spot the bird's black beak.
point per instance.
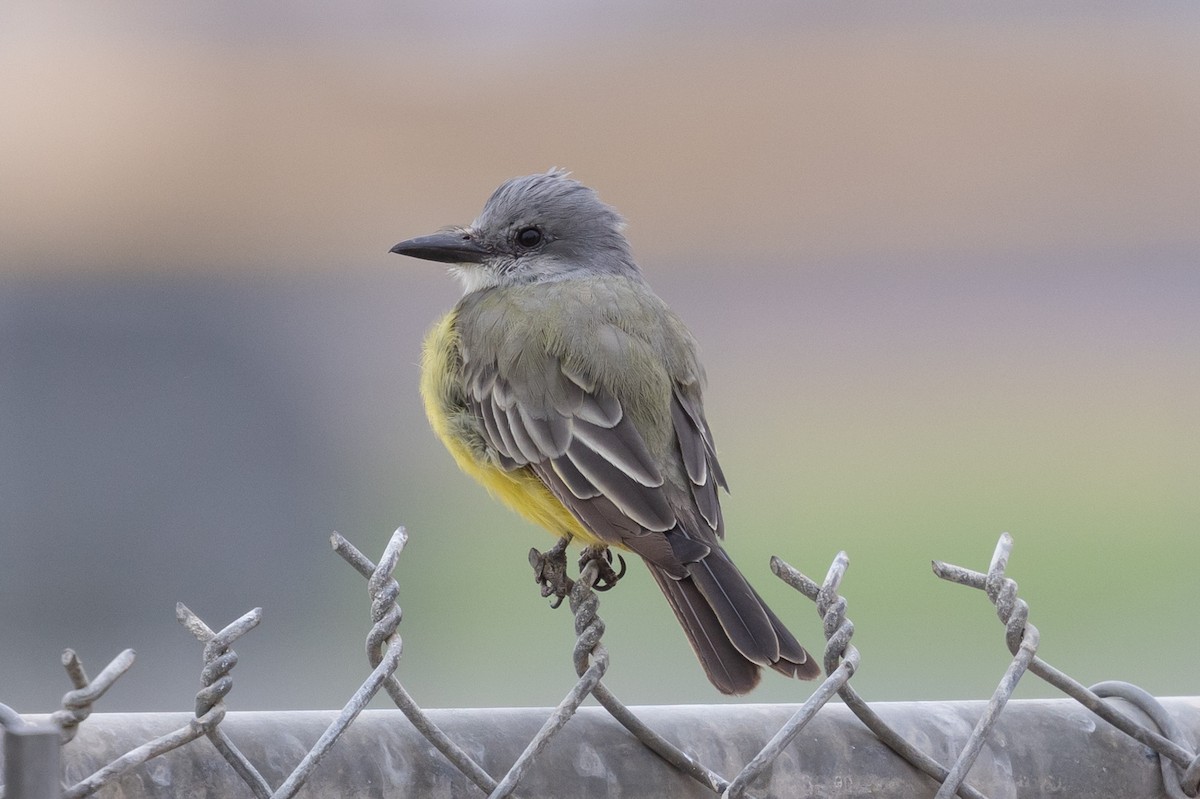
(450, 247)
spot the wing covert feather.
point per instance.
(573, 433)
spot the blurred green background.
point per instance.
(943, 260)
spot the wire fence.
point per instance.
(1144, 747)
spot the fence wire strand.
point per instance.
(402, 699)
(1179, 763)
(1014, 612)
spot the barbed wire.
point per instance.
(1014, 612)
(1166, 738)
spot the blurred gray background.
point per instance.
(943, 259)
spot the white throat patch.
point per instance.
(473, 278)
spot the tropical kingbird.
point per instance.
(564, 385)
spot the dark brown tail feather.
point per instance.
(730, 629)
(794, 660)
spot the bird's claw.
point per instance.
(550, 571)
(606, 576)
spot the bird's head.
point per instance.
(532, 229)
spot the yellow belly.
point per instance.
(520, 490)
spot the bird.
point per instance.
(573, 393)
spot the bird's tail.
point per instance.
(730, 628)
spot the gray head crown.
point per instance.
(549, 226)
(533, 229)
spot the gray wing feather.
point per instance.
(506, 444)
(578, 440)
(551, 434)
(646, 505)
(623, 445)
(691, 443)
(699, 456)
(502, 394)
(530, 451)
(486, 412)
(689, 400)
(579, 486)
(602, 410)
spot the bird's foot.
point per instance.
(550, 571)
(606, 576)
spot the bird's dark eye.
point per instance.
(529, 237)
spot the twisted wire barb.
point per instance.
(210, 707)
(591, 661)
(219, 659)
(399, 695)
(1013, 612)
(838, 629)
(215, 684)
(588, 629)
(384, 648)
(1022, 638)
(838, 634)
(77, 704)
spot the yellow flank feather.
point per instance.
(442, 392)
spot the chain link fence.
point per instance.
(1112, 739)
